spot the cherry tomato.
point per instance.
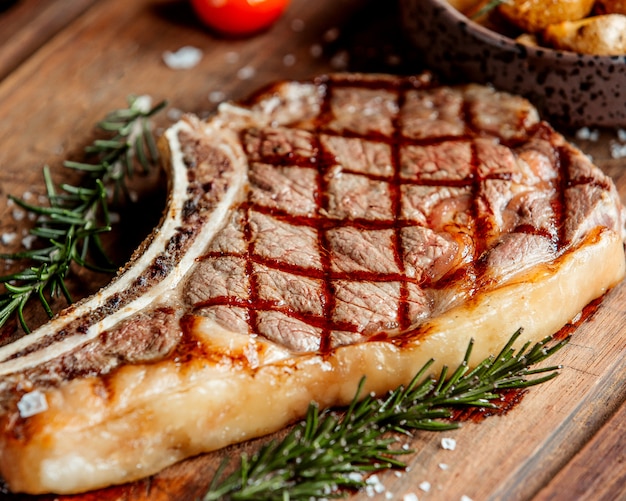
(239, 17)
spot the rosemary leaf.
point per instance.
(488, 7)
(328, 455)
(68, 228)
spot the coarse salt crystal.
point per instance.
(246, 73)
(18, 214)
(8, 238)
(617, 150)
(32, 403)
(174, 114)
(297, 25)
(448, 444)
(28, 240)
(388, 495)
(586, 134)
(340, 60)
(465, 498)
(232, 57)
(143, 103)
(355, 476)
(217, 96)
(425, 486)
(376, 484)
(410, 497)
(184, 58)
(316, 50)
(443, 466)
(331, 35)
(289, 60)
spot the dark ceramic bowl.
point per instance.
(569, 88)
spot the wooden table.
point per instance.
(63, 65)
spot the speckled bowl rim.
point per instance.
(490, 36)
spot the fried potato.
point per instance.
(528, 39)
(601, 35)
(533, 16)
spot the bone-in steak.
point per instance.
(351, 226)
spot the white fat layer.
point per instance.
(257, 351)
(216, 402)
(161, 291)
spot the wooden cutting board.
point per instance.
(62, 68)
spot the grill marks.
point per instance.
(312, 260)
(404, 320)
(323, 163)
(329, 207)
(437, 172)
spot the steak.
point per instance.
(354, 225)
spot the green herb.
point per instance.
(327, 456)
(68, 229)
(487, 8)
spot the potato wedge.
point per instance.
(601, 35)
(533, 16)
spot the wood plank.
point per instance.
(578, 481)
(27, 25)
(50, 102)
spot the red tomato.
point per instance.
(239, 17)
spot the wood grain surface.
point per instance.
(62, 69)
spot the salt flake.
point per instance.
(232, 57)
(425, 486)
(316, 50)
(340, 60)
(8, 238)
(28, 240)
(376, 484)
(217, 96)
(32, 403)
(448, 444)
(246, 73)
(289, 60)
(297, 25)
(174, 114)
(184, 58)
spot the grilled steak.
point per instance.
(324, 231)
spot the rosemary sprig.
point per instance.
(327, 456)
(486, 8)
(68, 229)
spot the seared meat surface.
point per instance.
(351, 226)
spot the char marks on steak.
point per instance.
(354, 225)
